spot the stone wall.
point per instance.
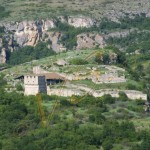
(131, 94)
(63, 92)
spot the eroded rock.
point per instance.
(89, 40)
(80, 22)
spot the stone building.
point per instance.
(34, 84)
(53, 78)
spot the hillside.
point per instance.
(76, 122)
(74, 74)
(21, 10)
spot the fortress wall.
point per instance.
(131, 94)
(100, 94)
(31, 89)
(137, 96)
(63, 92)
(37, 84)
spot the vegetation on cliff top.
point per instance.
(31, 9)
(29, 53)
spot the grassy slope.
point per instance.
(47, 63)
(119, 110)
(49, 60)
(33, 9)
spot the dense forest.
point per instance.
(29, 53)
(86, 123)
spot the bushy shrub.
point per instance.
(108, 99)
(19, 87)
(78, 61)
(3, 13)
(123, 96)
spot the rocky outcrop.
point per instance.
(80, 22)
(121, 8)
(30, 33)
(121, 34)
(48, 24)
(88, 40)
(55, 37)
(2, 56)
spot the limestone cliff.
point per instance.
(90, 40)
(81, 21)
(30, 33)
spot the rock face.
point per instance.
(80, 22)
(122, 8)
(48, 24)
(30, 33)
(90, 41)
(3, 56)
(55, 37)
(119, 34)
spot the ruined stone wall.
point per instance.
(135, 94)
(114, 93)
(63, 92)
(131, 94)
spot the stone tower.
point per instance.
(34, 84)
(3, 56)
